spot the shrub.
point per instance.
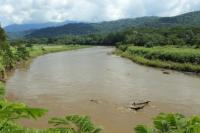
(171, 123)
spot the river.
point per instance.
(94, 82)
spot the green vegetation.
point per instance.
(148, 37)
(173, 48)
(183, 59)
(37, 50)
(2, 90)
(10, 112)
(171, 123)
(75, 124)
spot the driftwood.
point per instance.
(136, 108)
(94, 101)
(165, 72)
(139, 105)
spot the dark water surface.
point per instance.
(65, 83)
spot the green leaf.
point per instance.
(141, 129)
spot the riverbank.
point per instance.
(35, 51)
(181, 59)
(20, 110)
(38, 50)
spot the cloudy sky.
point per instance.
(36, 11)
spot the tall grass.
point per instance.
(183, 59)
(180, 55)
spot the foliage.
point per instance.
(148, 37)
(171, 123)
(10, 55)
(180, 55)
(75, 124)
(2, 90)
(7, 56)
(158, 57)
(22, 52)
(12, 111)
(9, 112)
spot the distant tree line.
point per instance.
(147, 37)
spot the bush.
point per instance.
(22, 53)
(171, 123)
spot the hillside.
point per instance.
(186, 20)
(102, 27)
(33, 26)
(72, 29)
(123, 23)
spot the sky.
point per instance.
(41, 11)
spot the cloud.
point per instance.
(32, 11)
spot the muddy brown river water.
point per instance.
(66, 82)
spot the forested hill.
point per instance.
(89, 28)
(188, 19)
(34, 26)
(69, 29)
(15, 31)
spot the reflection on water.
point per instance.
(65, 83)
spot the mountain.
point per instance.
(123, 23)
(72, 29)
(187, 20)
(33, 26)
(89, 28)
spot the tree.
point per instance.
(22, 52)
(196, 40)
(2, 36)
